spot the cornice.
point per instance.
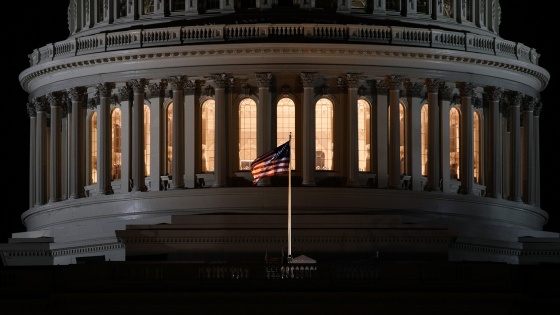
(155, 59)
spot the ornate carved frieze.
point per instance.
(433, 85)
(353, 79)
(515, 98)
(41, 104)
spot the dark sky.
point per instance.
(45, 22)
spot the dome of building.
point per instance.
(412, 128)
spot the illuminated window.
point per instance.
(476, 146)
(402, 151)
(116, 143)
(93, 134)
(424, 138)
(324, 135)
(247, 133)
(454, 144)
(286, 124)
(169, 138)
(208, 134)
(147, 139)
(448, 8)
(148, 7)
(364, 135)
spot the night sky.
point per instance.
(45, 22)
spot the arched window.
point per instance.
(324, 134)
(454, 143)
(247, 133)
(169, 139)
(286, 124)
(402, 137)
(147, 139)
(208, 123)
(116, 143)
(93, 134)
(364, 135)
(424, 138)
(476, 147)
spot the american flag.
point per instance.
(274, 162)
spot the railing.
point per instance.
(387, 35)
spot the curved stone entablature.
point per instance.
(448, 49)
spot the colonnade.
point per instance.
(509, 152)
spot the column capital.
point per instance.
(413, 88)
(138, 85)
(515, 98)
(493, 93)
(104, 89)
(466, 89)
(393, 82)
(77, 93)
(220, 80)
(433, 85)
(41, 104)
(538, 109)
(31, 109)
(177, 82)
(307, 78)
(353, 79)
(528, 103)
(157, 89)
(264, 79)
(125, 91)
(55, 98)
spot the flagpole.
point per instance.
(290, 202)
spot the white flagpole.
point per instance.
(290, 202)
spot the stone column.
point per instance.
(41, 167)
(190, 121)
(515, 146)
(32, 152)
(433, 163)
(529, 192)
(308, 134)
(537, 150)
(466, 138)
(178, 149)
(382, 144)
(394, 84)
(138, 163)
(353, 179)
(414, 144)
(77, 141)
(220, 141)
(264, 119)
(444, 101)
(64, 144)
(125, 96)
(157, 121)
(55, 100)
(104, 137)
(494, 141)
